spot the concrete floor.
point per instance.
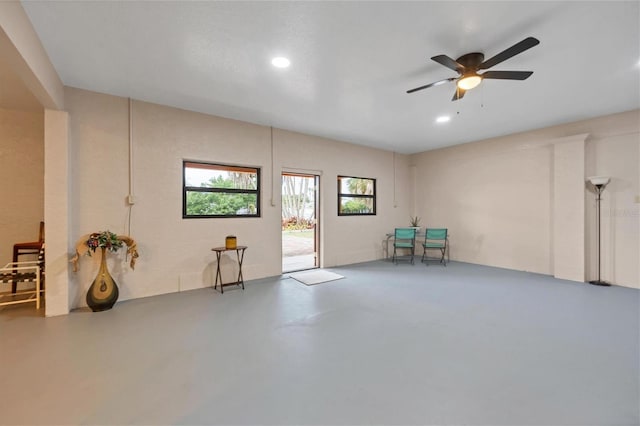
(461, 344)
(297, 252)
(298, 263)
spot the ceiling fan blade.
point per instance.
(507, 75)
(517, 48)
(458, 94)
(437, 83)
(449, 63)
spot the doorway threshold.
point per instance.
(298, 263)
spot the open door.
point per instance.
(300, 241)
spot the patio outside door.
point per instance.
(299, 221)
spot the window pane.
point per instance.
(211, 176)
(352, 185)
(221, 204)
(356, 205)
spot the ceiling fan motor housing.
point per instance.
(471, 61)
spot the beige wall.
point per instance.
(22, 177)
(175, 253)
(357, 238)
(496, 197)
(614, 152)
(567, 212)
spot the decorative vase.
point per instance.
(103, 293)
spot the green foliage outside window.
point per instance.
(220, 204)
(356, 196)
(357, 206)
(220, 191)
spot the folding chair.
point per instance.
(14, 273)
(405, 238)
(32, 247)
(435, 239)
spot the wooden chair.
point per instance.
(29, 271)
(33, 247)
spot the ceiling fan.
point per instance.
(468, 66)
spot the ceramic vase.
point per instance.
(103, 293)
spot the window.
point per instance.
(218, 190)
(356, 196)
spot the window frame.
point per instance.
(220, 166)
(361, 196)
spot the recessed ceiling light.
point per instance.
(443, 119)
(280, 62)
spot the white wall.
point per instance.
(175, 254)
(22, 177)
(496, 197)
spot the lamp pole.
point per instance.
(599, 183)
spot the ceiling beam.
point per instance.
(23, 52)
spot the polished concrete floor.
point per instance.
(405, 344)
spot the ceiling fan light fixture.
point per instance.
(469, 81)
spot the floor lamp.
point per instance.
(599, 183)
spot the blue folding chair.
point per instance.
(435, 239)
(405, 238)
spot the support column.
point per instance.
(568, 208)
(56, 211)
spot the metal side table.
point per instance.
(240, 256)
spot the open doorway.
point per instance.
(300, 241)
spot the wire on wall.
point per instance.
(273, 204)
(130, 198)
(395, 204)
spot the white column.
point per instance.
(56, 211)
(568, 208)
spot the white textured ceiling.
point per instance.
(352, 62)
